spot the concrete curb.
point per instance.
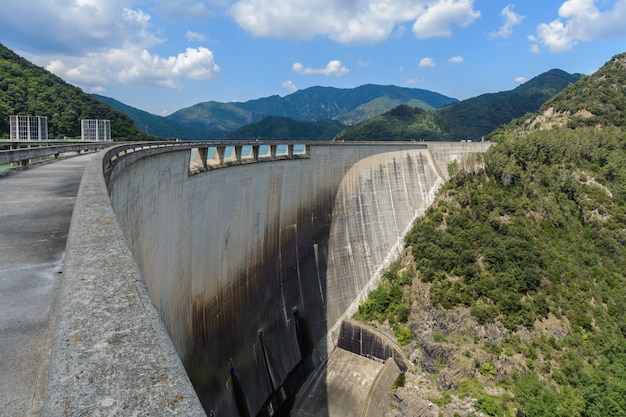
(111, 354)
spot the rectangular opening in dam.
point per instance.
(264, 150)
(281, 149)
(246, 151)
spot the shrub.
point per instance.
(403, 335)
(488, 405)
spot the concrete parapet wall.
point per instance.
(111, 354)
(229, 255)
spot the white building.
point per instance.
(31, 128)
(95, 130)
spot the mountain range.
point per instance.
(368, 112)
(215, 120)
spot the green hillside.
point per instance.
(30, 90)
(469, 119)
(379, 106)
(511, 294)
(280, 128)
(401, 123)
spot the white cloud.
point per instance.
(138, 66)
(521, 80)
(290, 86)
(95, 43)
(511, 19)
(194, 36)
(427, 62)
(351, 22)
(438, 17)
(76, 27)
(194, 63)
(334, 67)
(581, 20)
(78, 71)
(456, 60)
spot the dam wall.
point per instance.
(253, 267)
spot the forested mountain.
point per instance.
(348, 106)
(511, 295)
(467, 119)
(27, 89)
(281, 128)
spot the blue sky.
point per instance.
(161, 56)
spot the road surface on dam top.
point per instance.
(35, 211)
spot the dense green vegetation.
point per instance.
(469, 119)
(28, 89)
(541, 232)
(281, 128)
(534, 240)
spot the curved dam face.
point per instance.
(253, 267)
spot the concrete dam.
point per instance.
(252, 259)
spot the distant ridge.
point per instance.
(469, 119)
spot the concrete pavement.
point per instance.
(35, 211)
